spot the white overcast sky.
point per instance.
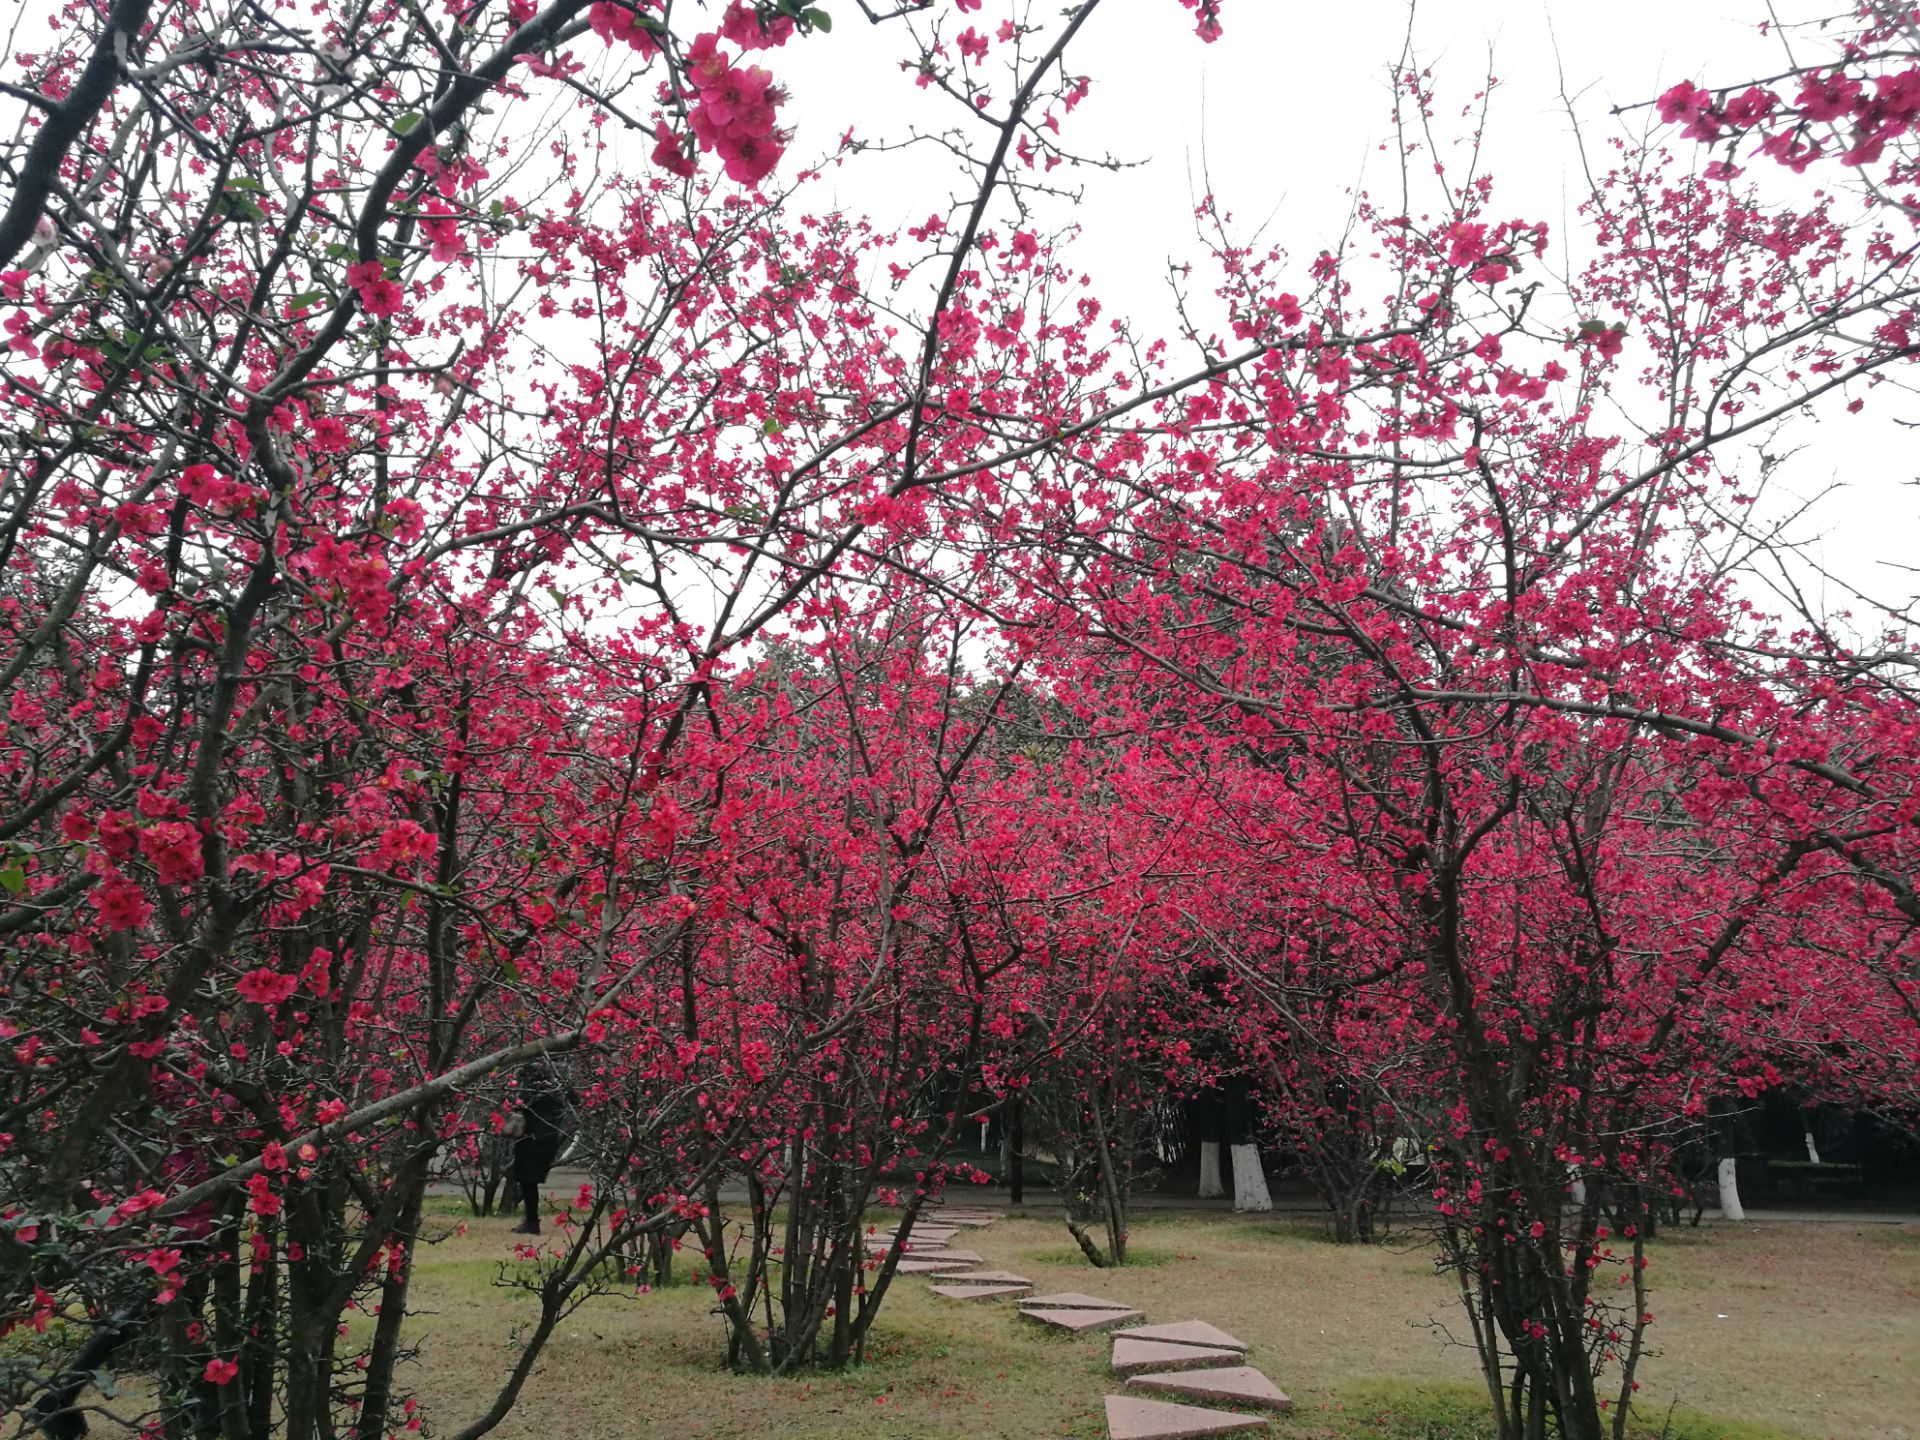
(1287, 113)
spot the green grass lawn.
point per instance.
(1765, 1332)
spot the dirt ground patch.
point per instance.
(1797, 1330)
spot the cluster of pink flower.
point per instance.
(620, 23)
(1207, 13)
(1884, 112)
(733, 115)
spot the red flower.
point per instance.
(120, 904)
(1827, 98)
(173, 848)
(742, 25)
(1684, 101)
(618, 23)
(672, 151)
(402, 845)
(219, 1372)
(265, 987)
(379, 296)
(443, 234)
(262, 1200)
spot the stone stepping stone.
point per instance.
(964, 1257)
(1134, 1357)
(1187, 1332)
(1074, 1300)
(993, 1277)
(969, 1219)
(977, 1292)
(923, 1237)
(1077, 1322)
(910, 1265)
(1232, 1385)
(880, 1244)
(1131, 1418)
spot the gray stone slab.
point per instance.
(1076, 1322)
(1074, 1300)
(995, 1277)
(1131, 1418)
(916, 1243)
(909, 1265)
(1230, 1385)
(1187, 1332)
(977, 1292)
(1140, 1357)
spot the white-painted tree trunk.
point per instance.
(1813, 1150)
(1210, 1186)
(1578, 1189)
(1249, 1180)
(1730, 1190)
(985, 1122)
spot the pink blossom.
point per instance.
(443, 234)
(619, 24)
(1684, 101)
(120, 904)
(379, 296)
(671, 150)
(262, 986)
(402, 845)
(742, 25)
(1828, 98)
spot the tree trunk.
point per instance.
(1016, 1151)
(1211, 1186)
(1249, 1181)
(1730, 1206)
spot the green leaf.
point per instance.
(13, 879)
(242, 182)
(405, 123)
(819, 20)
(337, 251)
(237, 206)
(307, 297)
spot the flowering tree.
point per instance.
(379, 419)
(470, 591)
(1511, 693)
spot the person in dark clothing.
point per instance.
(542, 1118)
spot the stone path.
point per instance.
(1074, 1300)
(1189, 1358)
(1138, 1357)
(977, 1292)
(1077, 1322)
(1235, 1384)
(1131, 1418)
